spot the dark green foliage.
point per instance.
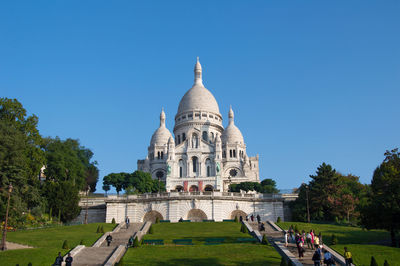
(151, 230)
(157, 220)
(243, 229)
(113, 221)
(264, 240)
(334, 240)
(382, 210)
(30, 264)
(278, 220)
(98, 229)
(386, 263)
(102, 229)
(290, 263)
(236, 219)
(266, 186)
(296, 229)
(81, 242)
(136, 243)
(283, 262)
(65, 245)
(373, 262)
(336, 220)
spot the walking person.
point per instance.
(316, 242)
(286, 238)
(127, 222)
(258, 218)
(109, 239)
(348, 257)
(328, 259)
(308, 240)
(317, 257)
(252, 218)
(58, 260)
(68, 260)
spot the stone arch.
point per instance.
(196, 215)
(208, 188)
(152, 216)
(193, 188)
(179, 188)
(238, 213)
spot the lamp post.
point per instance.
(308, 207)
(3, 240)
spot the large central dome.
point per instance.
(198, 97)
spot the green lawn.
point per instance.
(48, 242)
(357, 240)
(199, 254)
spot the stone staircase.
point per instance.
(97, 256)
(277, 236)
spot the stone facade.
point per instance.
(203, 155)
(195, 206)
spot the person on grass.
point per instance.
(348, 257)
(58, 260)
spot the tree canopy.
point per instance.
(266, 186)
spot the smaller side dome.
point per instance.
(232, 133)
(162, 135)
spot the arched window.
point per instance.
(179, 188)
(230, 153)
(195, 141)
(162, 155)
(208, 167)
(224, 154)
(208, 188)
(234, 153)
(158, 155)
(212, 136)
(194, 162)
(183, 137)
(179, 139)
(205, 135)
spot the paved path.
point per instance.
(97, 256)
(276, 236)
(11, 245)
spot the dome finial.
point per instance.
(197, 73)
(162, 118)
(231, 115)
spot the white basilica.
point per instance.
(203, 156)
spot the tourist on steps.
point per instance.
(58, 260)
(258, 218)
(348, 257)
(68, 260)
(286, 238)
(109, 239)
(317, 257)
(328, 260)
(308, 240)
(127, 222)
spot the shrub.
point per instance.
(113, 221)
(151, 230)
(337, 220)
(334, 240)
(81, 243)
(283, 262)
(157, 220)
(236, 219)
(102, 229)
(386, 263)
(30, 264)
(278, 220)
(243, 229)
(264, 240)
(136, 243)
(373, 261)
(65, 245)
(98, 229)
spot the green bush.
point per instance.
(386, 263)
(264, 240)
(157, 220)
(334, 240)
(236, 219)
(102, 229)
(30, 264)
(113, 221)
(283, 262)
(373, 261)
(243, 229)
(98, 229)
(81, 243)
(278, 220)
(151, 230)
(136, 243)
(337, 220)
(65, 245)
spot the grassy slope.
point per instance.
(200, 254)
(356, 240)
(48, 242)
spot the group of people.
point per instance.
(313, 242)
(59, 260)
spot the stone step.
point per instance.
(93, 256)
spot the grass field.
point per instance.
(48, 242)
(357, 240)
(199, 254)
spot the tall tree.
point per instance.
(383, 208)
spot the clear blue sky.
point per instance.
(309, 81)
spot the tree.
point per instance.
(116, 180)
(106, 188)
(382, 210)
(141, 182)
(266, 186)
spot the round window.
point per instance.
(233, 172)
